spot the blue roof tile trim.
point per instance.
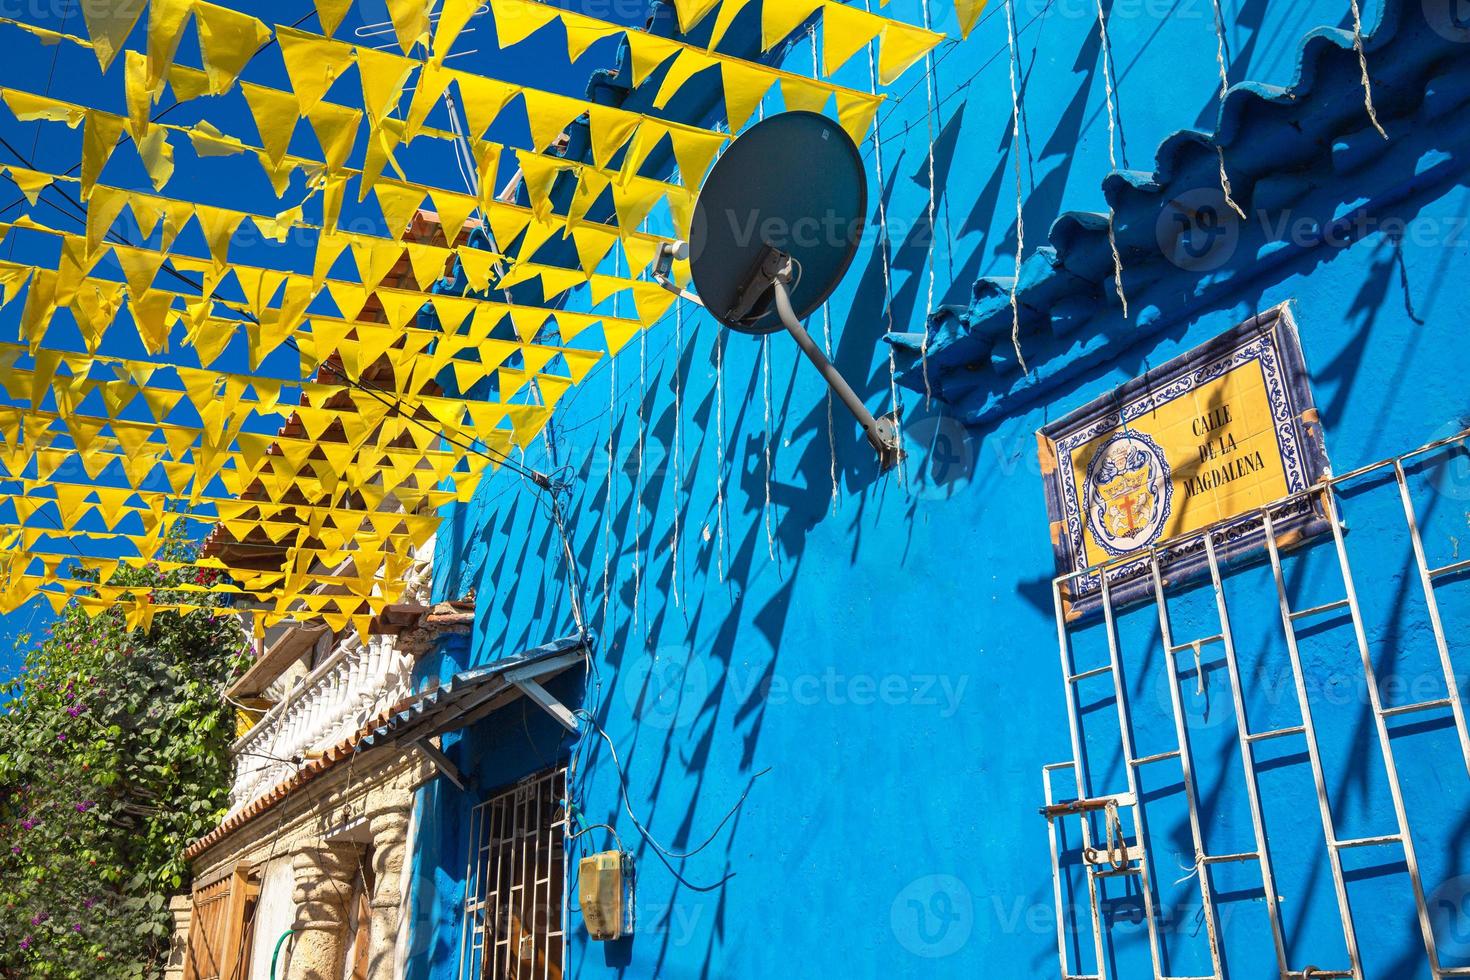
(1279, 144)
(445, 698)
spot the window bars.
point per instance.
(1122, 811)
(515, 884)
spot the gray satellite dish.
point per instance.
(775, 229)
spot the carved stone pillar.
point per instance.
(182, 909)
(390, 850)
(324, 879)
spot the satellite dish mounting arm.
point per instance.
(774, 275)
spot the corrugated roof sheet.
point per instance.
(453, 705)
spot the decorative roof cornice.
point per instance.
(1279, 145)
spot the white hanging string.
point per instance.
(1363, 66)
(831, 428)
(611, 502)
(678, 451)
(766, 392)
(1221, 60)
(885, 248)
(1016, 156)
(638, 485)
(1111, 92)
(720, 451)
(930, 98)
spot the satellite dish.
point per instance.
(775, 229)
(793, 183)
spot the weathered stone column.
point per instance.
(324, 878)
(390, 849)
(182, 908)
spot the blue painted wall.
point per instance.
(881, 650)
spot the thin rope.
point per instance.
(1222, 60)
(1111, 92)
(831, 428)
(720, 450)
(678, 451)
(929, 98)
(1016, 157)
(1363, 65)
(766, 391)
(638, 485)
(885, 246)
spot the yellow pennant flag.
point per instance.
(227, 40)
(745, 87)
(515, 21)
(166, 20)
(398, 202)
(969, 12)
(801, 95)
(845, 32)
(688, 64)
(109, 22)
(856, 113)
(729, 9)
(382, 76)
(779, 19)
(275, 117)
(901, 47)
(218, 226)
(410, 22)
(610, 129)
(313, 64)
(694, 149)
(30, 182)
(427, 92)
(331, 13)
(336, 129)
(453, 16)
(100, 134)
(157, 156)
(139, 99)
(483, 100)
(477, 264)
(648, 51)
(549, 116)
(691, 12)
(453, 210)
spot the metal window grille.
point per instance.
(515, 900)
(1109, 815)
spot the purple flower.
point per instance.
(61, 737)
(25, 943)
(76, 927)
(85, 805)
(39, 918)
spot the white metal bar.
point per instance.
(1314, 752)
(1247, 759)
(1212, 929)
(1125, 735)
(1452, 684)
(1411, 859)
(1079, 772)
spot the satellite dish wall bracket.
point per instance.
(769, 285)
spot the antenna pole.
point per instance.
(882, 433)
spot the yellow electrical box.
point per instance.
(603, 894)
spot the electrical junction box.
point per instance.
(605, 893)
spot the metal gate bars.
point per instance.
(1117, 857)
